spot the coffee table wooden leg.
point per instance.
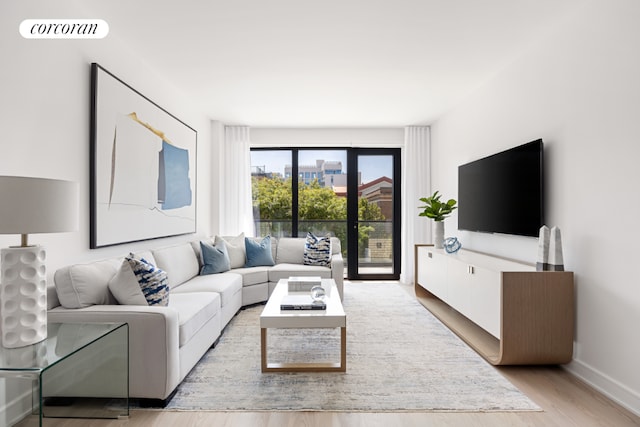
(343, 349)
(304, 367)
(263, 348)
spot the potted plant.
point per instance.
(437, 211)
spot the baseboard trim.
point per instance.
(606, 385)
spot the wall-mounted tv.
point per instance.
(503, 193)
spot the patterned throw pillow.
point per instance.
(138, 282)
(152, 281)
(317, 250)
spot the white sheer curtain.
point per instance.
(416, 183)
(236, 211)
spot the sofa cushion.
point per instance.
(226, 284)
(145, 280)
(235, 248)
(82, 285)
(194, 310)
(215, 259)
(317, 250)
(290, 250)
(258, 252)
(179, 262)
(286, 270)
(253, 275)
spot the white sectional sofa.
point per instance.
(165, 342)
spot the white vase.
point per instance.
(438, 234)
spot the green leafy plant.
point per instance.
(435, 209)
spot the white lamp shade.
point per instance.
(37, 205)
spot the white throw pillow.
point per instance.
(148, 279)
(235, 249)
(125, 287)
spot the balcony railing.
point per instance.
(375, 238)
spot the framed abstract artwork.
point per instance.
(143, 166)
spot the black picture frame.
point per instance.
(143, 166)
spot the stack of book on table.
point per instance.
(299, 296)
(303, 284)
(301, 302)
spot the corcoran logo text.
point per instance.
(64, 28)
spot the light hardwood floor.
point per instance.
(565, 401)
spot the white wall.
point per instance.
(579, 90)
(327, 137)
(44, 125)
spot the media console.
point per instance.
(505, 310)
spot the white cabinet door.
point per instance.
(432, 272)
(475, 293)
(485, 296)
(458, 280)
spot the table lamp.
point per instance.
(30, 205)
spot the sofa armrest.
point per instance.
(337, 272)
(154, 366)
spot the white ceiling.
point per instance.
(328, 63)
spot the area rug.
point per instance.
(399, 358)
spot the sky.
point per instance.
(371, 167)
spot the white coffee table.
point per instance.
(332, 317)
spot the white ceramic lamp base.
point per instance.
(23, 296)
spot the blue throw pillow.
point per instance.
(258, 253)
(317, 250)
(215, 259)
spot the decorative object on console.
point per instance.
(543, 249)
(30, 205)
(143, 166)
(556, 263)
(550, 250)
(437, 211)
(452, 245)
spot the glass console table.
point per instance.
(81, 370)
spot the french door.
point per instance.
(373, 213)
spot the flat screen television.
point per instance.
(503, 193)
